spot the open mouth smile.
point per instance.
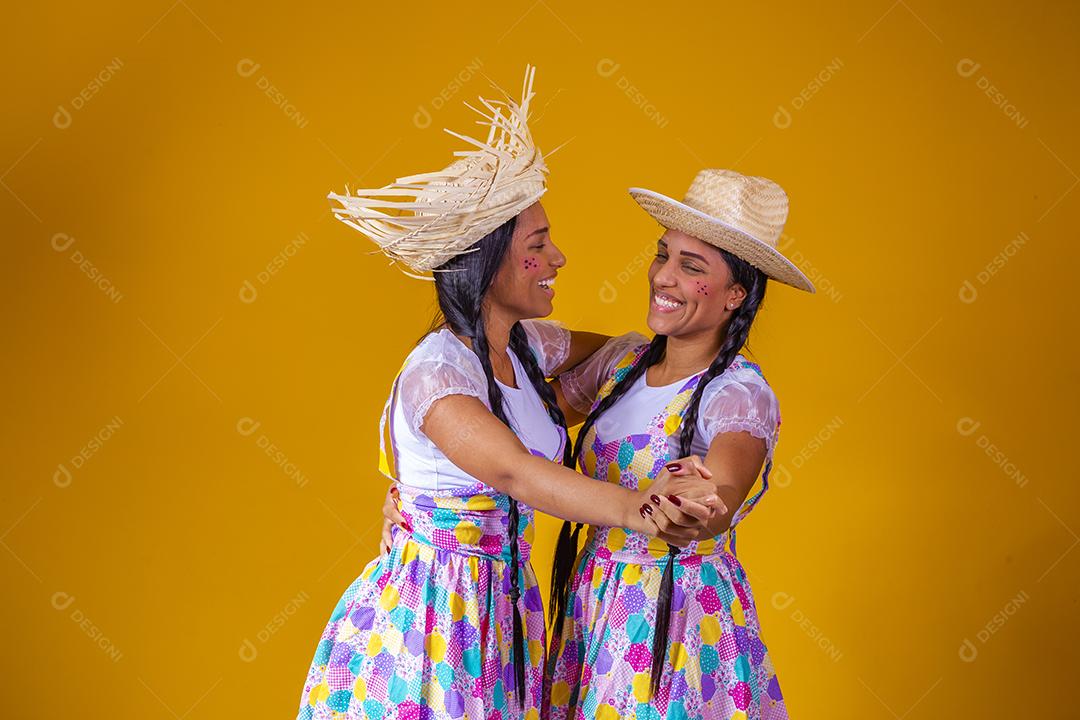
(666, 303)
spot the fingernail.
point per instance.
(641, 511)
(647, 509)
(403, 526)
(674, 500)
(674, 467)
(393, 491)
(655, 499)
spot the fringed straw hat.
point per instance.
(739, 213)
(421, 221)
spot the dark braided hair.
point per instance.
(460, 291)
(735, 337)
(566, 546)
(519, 344)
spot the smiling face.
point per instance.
(523, 286)
(691, 288)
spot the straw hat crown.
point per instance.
(422, 221)
(742, 214)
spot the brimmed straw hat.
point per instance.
(421, 221)
(739, 213)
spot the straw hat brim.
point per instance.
(675, 215)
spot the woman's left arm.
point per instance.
(735, 460)
(741, 419)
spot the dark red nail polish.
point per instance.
(674, 500)
(655, 499)
(674, 467)
(641, 511)
(647, 509)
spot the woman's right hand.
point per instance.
(391, 517)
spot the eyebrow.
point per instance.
(537, 231)
(688, 254)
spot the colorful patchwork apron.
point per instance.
(426, 632)
(718, 666)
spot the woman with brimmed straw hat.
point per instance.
(642, 628)
(449, 623)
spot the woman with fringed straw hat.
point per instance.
(642, 628)
(449, 623)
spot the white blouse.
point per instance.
(442, 365)
(736, 400)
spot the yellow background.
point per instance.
(174, 276)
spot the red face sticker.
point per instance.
(702, 289)
(531, 263)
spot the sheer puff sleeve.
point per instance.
(550, 341)
(581, 383)
(742, 402)
(439, 366)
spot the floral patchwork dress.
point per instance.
(426, 632)
(718, 665)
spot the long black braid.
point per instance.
(566, 547)
(735, 338)
(460, 293)
(519, 344)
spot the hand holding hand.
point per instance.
(681, 502)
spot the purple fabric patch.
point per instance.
(603, 662)
(414, 641)
(757, 651)
(633, 598)
(533, 601)
(341, 654)
(774, 689)
(708, 687)
(678, 686)
(384, 663)
(464, 633)
(455, 703)
(363, 618)
(678, 598)
(742, 639)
